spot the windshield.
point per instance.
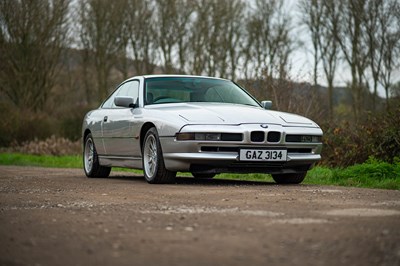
(161, 90)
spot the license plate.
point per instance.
(262, 155)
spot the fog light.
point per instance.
(316, 139)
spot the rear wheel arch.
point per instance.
(91, 163)
(85, 134)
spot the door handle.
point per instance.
(105, 118)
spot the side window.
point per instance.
(130, 88)
(123, 90)
(108, 103)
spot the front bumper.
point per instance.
(229, 162)
(223, 156)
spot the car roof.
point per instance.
(175, 75)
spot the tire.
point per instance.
(289, 178)
(91, 164)
(202, 176)
(153, 162)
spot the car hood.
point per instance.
(215, 113)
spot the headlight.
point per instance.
(316, 139)
(304, 138)
(198, 136)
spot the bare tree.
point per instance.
(140, 25)
(232, 36)
(199, 38)
(259, 27)
(268, 36)
(32, 37)
(101, 31)
(184, 24)
(215, 38)
(224, 34)
(375, 35)
(268, 44)
(389, 45)
(329, 46)
(172, 20)
(349, 36)
(312, 16)
(216, 53)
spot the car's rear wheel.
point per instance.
(91, 164)
(289, 178)
(200, 175)
(153, 162)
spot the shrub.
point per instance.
(23, 125)
(378, 136)
(51, 146)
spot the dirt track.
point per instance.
(60, 217)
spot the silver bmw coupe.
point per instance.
(166, 124)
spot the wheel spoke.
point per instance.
(152, 167)
(150, 156)
(89, 155)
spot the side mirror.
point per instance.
(124, 101)
(266, 104)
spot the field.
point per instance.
(371, 174)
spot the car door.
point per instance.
(118, 123)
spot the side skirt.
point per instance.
(126, 162)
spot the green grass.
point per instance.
(74, 161)
(371, 174)
(247, 177)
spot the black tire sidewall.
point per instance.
(289, 178)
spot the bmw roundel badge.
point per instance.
(264, 125)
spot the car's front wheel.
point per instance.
(153, 161)
(91, 164)
(289, 178)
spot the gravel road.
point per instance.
(59, 217)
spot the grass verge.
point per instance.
(371, 174)
(72, 161)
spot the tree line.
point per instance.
(236, 39)
(365, 34)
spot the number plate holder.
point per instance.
(265, 155)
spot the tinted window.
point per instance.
(194, 89)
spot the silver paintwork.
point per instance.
(117, 133)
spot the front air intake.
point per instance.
(274, 136)
(257, 136)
